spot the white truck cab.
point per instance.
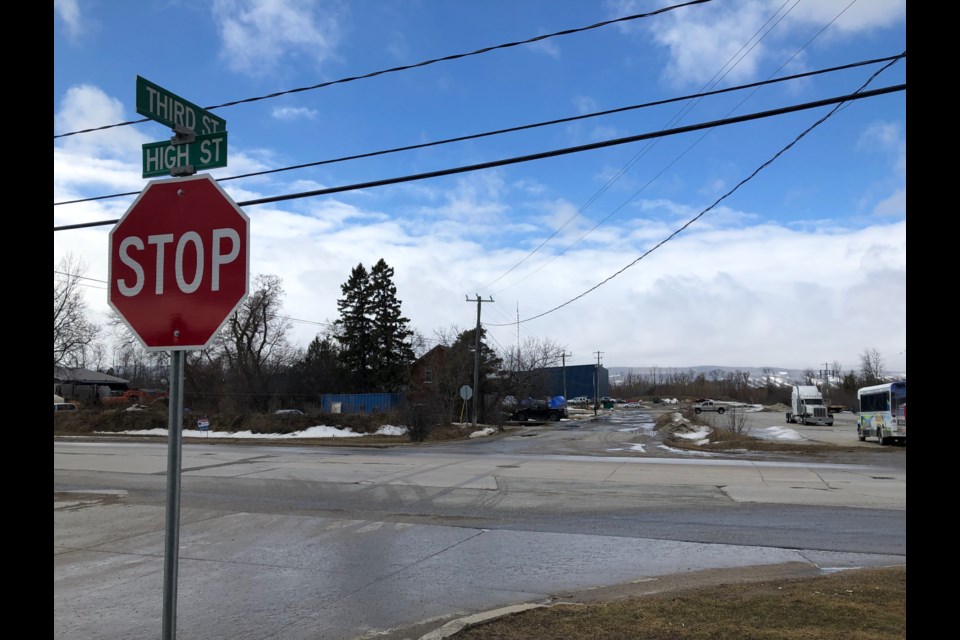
(807, 407)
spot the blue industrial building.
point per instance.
(588, 380)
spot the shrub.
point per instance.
(420, 421)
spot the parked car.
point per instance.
(579, 400)
(65, 406)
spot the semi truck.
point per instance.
(807, 406)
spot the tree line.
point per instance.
(839, 388)
(251, 365)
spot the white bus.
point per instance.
(883, 412)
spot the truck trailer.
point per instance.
(807, 407)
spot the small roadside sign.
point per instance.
(168, 157)
(203, 424)
(156, 103)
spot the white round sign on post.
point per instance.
(179, 263)
(466, 392)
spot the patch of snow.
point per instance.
(692, 435)
(685, 452)
(776, 433)
(321, 431)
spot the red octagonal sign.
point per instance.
(179, 262)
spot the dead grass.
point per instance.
(89, 422)
(863, 604)
(722, 439)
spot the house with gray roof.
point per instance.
(84, 385)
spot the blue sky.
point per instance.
(804, 264)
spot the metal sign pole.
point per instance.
(172, 544)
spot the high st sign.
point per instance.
(179, 263)
(200, 137)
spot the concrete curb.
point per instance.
(460, 624)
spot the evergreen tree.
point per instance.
(490, 363)
(318, 371)
(355, 329)
(392, 351)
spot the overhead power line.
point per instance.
(425, 63)
(548, 154)
(839, 105)
(524, 127)
(649, 145)
(686, 109)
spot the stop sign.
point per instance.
(179, 262)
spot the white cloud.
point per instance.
(90, 163)
(69, 12)
(398, 47)
(88, 107)
(888, 138)
(477, 196)
(293, 113)
(548, 47)
(882, 135)
(723, 37)
(856, 16)
(585, 104)
(703, 43)
(894, 205)
(710, 296)
(259, 34)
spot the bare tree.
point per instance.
(97, 355)
(737, 421)
(837, 370)
(419, 343)
(252, 347)
(871, 367)
(523, 373)
(73, 332)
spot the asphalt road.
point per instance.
(342, 543)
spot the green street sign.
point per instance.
(166, 158)
(158, 104)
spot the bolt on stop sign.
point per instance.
(179, 263)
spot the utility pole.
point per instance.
(518, 335)
(596, 383)
(476, 359)
(563, 358)
(825, 374)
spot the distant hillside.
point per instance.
(758, 375)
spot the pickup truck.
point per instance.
(708, 405)
(545, 409)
